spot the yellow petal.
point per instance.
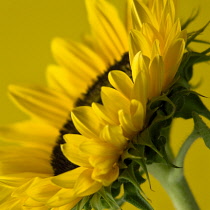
(96, 147)
(157, 8)
(22, 161)
(127, 125)
(141, 14)
(43, 190)
(108, 178)
(138, 42)
(62, 197)
(68, 179)
(65, 81)
(113, 102)
(13, 204)
(138, 114)
(86, 121)
(120, 81)
(169, 9)
(141, 89)
(43, 103)
(85, 185)
(156, 72)
(102, 164)
(40, 134)
(72, 152)
(140, 64)
(15, 180)
(107, 30)
(102, 113)
(114, 135)
(67, 206)
(76, 57)
(29, 202)
(172, 60)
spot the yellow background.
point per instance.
(27, 28)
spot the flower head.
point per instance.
(108, 110)
(27, 175)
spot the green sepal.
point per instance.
(189, 59)
(187, 102)
(133, 197)
(115, 188)
(131, 174)
(142, 163)
(97, 203)
(190, 20)
(201, 128)
(132, 179)
(105, 193)
(83, 204)
(192, 36)
(201, 41)
(145, 139)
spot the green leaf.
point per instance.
(133, 196)
(190, 102)
(202, 129)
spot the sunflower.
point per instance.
(102, 132)
(92, 140)
(31, 155)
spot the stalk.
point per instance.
(173, 179)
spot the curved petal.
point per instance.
(42, 103)
(69, 178)
(114, 135)
(85, 185)
(41, 135)
(86, 121)
(71, 149)
(107, 30)
(121, 82)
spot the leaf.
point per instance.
(133, 196)
(190, 103)
(202, 128)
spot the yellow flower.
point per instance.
(158, 36)
(82, 164)
(27, 177)
(155, 54)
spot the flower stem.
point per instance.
(176, 187)
(173, 179)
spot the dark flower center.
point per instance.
(59, 162)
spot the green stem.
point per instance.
(173, 180)
(176, 187)
(179, 161)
